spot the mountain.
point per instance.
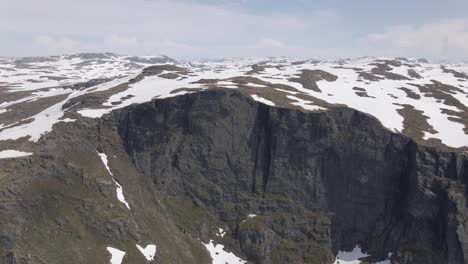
(270, 160)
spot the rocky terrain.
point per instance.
(149, 160)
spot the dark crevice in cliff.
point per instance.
(464, 177)
(263, 149)
(407, 184)
(451, 171)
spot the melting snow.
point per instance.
(149, 251)
(262, 100)
(119, 190)
(220, 256)
(116, 255)
(67, 120)
(307, 105)
(4, 154)
(256, 85)
(42, 123)
(354, 257)
(221, 232)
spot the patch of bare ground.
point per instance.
(280, 98)
(369, 76)
(169, 75)
(243, 81)
(55, 78)
(87, 84)
(349, 68)
(34, 81)
(19, 114)
(309, 78)
(398, 62)
(277, 93)
(159, 69)
(187, 90)
(414, 122)
(206, 81)
(7, 96)
(384, 69)
(413, 74)
(21, 144)
(459, 117)
(256, 69)
(298, 62)
(410, 93)
(10, 86)
(361, 92)
(246, 80)
(443, 92)
(18, 123)
(455, 73)
(94, 99)
(259, 68)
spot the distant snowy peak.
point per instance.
(29, 73)
(425, 101)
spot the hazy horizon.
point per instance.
(196, 29)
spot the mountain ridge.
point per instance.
(273, 161)
(259, 190)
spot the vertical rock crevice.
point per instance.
(263, 144)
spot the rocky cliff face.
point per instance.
(318, 182)
(285, 185)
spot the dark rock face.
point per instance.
(317, 181)
(287, 186)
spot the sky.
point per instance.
(189, 29)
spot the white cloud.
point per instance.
(119, 41)
(185, 29)
(179, 28)
(269, 42)
(445, 39)
(51, 44)
(48, 41)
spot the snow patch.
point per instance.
(220, 256)
(42, 123)
(5, 154)
(256, 85)
(149, 251)
(354, 256)
(67, 120)
(221, 232)
(262, 100)
(307, 105)
(116, 255)
(119, 190)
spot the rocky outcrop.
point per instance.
(315, 180)
(287, 187)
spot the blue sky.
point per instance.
(224, 28)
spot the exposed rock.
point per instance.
(309, 78)
(373, 187)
